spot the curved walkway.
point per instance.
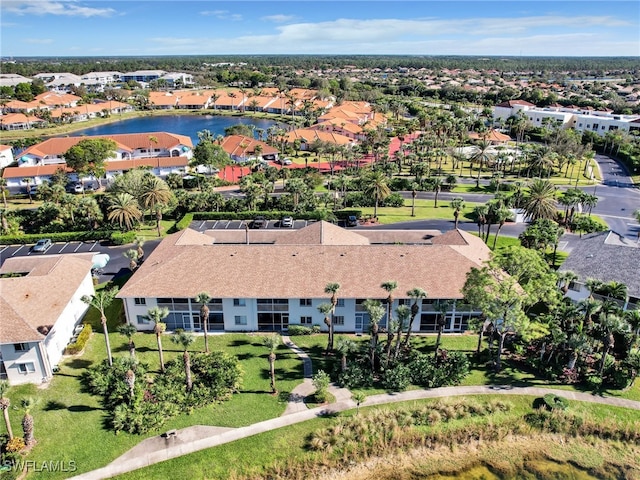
(192, 439)
(306, 388)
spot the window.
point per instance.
(338, 319)
(26, 367)
(306, 320)
(575, 286)
(305, 302)
(340, 302)
(140, 301)
(21, 347)
(239, 302)
(240, 319)
(142, 320)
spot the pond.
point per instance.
(188, 125)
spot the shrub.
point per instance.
(555, 402)
(321, 383)
(82, 236)
(397, 379)
(316, 328)
(16, 444)
(393, 200)
(183, 223)
(77, 346)
(356, 376)
(123, 238)
(449, 368)
(295, 330)
(344, 214)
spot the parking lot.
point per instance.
(68, 247)
(202, 225)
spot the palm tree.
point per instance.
(331, 288)
(5, 403)
(101, 301)
(565, 278)
(344, 347)
(377, 187)
(129, 331)
(155, 194)
(436, 184)
(156, 315)
(500, 216)
(132, 255)
(403, 313)
(457, 204)
(481, 212)
(417, 294)
(632, 317)
(139, 243)
(389, 287)
(326, 309)
(185, 339)
(130, 380)
(482, 156)
(376, 312)
(3, 189)
(359, 398)
(124, 209)
(27, 421)
(541, 200)
(203, 298)
(272, 342)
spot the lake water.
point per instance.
(188, 125)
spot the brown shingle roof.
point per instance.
(301, 270)
(322, 233)
(39, 298)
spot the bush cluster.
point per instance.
(216, 376)
(81, 341)
(123, 238)
(449, 368)
(297, 330)
(555, 402)
(82, 236)
(183, 223)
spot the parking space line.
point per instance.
(4, 249)
(93, 246)
(77, 248)
(215, 224)
(202, 225)
(17, 250)
(63, 247)
(227, 225)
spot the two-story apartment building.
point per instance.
(267, 280)
(163, 152)
(40, 306)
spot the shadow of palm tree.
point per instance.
(53, 405)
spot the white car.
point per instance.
(286, 161)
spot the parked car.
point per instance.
(78, 188)
(259, 222)
(286, 222)
(352, 221)
(42, 245)
(286, 161)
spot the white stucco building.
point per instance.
(266, 280)
(40, 308)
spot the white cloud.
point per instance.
(280, 18)
(222, 15)
(50, 7)
(38, 41)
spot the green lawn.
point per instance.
(424, 210)
(69, 422)
(251, 457)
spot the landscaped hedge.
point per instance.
(80, 342)
(183, 223)
(344, 214)
(269, 215)
(295, 330)
(122, 238)
(82, 236)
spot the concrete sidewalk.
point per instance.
(149, 455)
(306, 388)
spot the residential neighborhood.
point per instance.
(281, 240)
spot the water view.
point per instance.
(181, 124)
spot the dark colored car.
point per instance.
(259, 222)
(352, 221)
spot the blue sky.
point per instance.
(163, 27)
